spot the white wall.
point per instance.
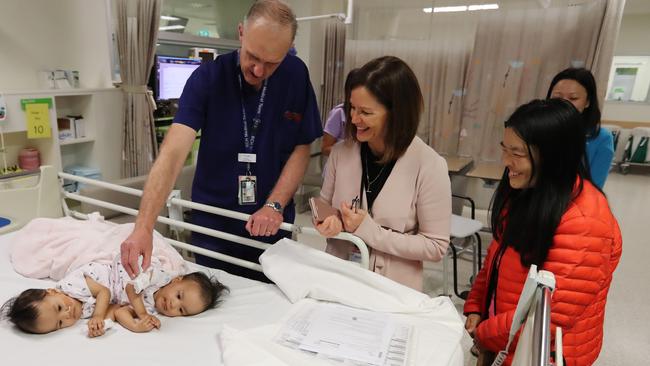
(633, 36)
(40, 34)
(632, 41)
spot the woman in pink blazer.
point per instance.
(403, 186)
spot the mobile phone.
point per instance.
(320, 210)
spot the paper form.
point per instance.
(347, 336)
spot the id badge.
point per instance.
(247, 191)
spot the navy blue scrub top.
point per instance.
(211, 103)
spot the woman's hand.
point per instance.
(351, 218)
(330, 227)
(473, 320)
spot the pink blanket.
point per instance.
(53, 247)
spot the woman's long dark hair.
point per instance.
(526, 219)
(591, 114)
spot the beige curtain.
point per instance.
(440, 62)
(333, 78)
(137, 32)
(516, 54)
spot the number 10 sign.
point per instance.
(38, 117)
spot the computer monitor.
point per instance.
(172, 74)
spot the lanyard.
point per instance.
(249, 139)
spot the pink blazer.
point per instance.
(411, 216)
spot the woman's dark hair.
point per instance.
(22, 310)
(392, 82)
(526, 219)
(347, 87)
(584, 77)
(211, 288)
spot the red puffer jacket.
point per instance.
(586, 249)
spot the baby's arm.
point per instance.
(126, 316)
(102, 299)
(138, 305)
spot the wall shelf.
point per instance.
(76, 141)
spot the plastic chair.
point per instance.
(464, 236)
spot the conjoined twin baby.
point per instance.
(101, 292)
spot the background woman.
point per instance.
(579, 87)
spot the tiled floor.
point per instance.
(627, 319)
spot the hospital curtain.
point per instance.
(440, 63)
(333, 78)
(516, 54)
(137, 31)
(476, 67)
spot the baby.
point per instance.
(102, 291)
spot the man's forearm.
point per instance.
(291, 176)
(163, 174)
(156, 190)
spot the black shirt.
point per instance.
(374, 174)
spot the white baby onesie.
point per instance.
(115, 278)
(147, 282)
(74, 284)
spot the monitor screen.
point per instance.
(173, 73)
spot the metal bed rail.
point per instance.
(542, 327)
(173, 202)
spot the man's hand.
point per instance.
(265, 222)
(473, 320)
(330, 227)
(351, 217)
(95, 327)
(139, 243)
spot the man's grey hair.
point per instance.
(274, 10)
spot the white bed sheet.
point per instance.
(180, 341)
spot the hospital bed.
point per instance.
(180, 341)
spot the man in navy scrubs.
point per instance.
(257, 114)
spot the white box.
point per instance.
(80, 127)
(66, 128)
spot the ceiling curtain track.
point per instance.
(137, 31)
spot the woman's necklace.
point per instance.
(365, 159)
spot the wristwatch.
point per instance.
(276, 206)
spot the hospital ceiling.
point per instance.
(221, 17)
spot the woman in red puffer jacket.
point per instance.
(547, 212)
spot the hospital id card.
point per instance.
(247, 189)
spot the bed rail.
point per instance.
(173, 202)
(542, 327)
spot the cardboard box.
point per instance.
(66, 128)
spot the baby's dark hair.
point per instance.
(211, 288)
(22, 310)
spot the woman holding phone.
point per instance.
(402, 184)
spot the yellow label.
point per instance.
(38, 121)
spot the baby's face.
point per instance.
(56, 311)
(179, 298)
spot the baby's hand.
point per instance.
(147, 323)
(96, 327)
